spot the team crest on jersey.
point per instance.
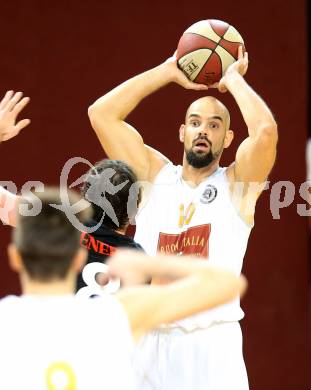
(209, 194)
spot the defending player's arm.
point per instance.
(119, 139)
(256, 154)
(8, 207)
(195, 287)
(10, 106)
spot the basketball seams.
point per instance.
(218, 56)
(216, 43)
(224, 58)
(224, 39)
(221, 36)
(203, 36)
(214, 52)
(233, 51)
(205, 63)
(193, 51)
(200, 48)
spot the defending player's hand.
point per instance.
(240, 67)
(179, 77)
(10, 106)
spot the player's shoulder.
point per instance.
(221, 176)
(109, 308)
(168, 173)
(9, 300)
(10, 306)
(105, 303)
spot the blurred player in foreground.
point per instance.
(52, 339)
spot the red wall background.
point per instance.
(64, 54)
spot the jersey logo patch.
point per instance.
(193, 241)
(209, 194)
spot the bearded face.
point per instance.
(201, 155)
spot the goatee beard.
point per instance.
(199, 160)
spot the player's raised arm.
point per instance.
(119, 139)
(10, 107)
(196, 287)
(256, 154)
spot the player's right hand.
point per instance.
(10, 106)
(179, 77)
(129, 266)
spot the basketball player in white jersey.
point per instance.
(198, 208)
(51, 339)
(10, 106)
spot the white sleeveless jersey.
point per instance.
(202, 221)
(52, 343)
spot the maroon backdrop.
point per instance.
(65, 54)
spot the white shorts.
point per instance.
(203, 359)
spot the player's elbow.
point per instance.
(228, 286)
(98, 118)
(268, 134)
(90, 111)
(94, 120)
(99, 108)
(242, 285)
(270, 130)
(233, 287)
(93, 113)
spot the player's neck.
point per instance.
(55, 287)
(195, 176)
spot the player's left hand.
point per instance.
(10, 106)
(240, 66)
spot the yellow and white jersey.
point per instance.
(202, 221)
(64, 343)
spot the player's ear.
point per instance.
(228, 138)
(79, 260)
(182, 133)
(15, 259)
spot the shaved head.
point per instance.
(206, 132)
(211, 105)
